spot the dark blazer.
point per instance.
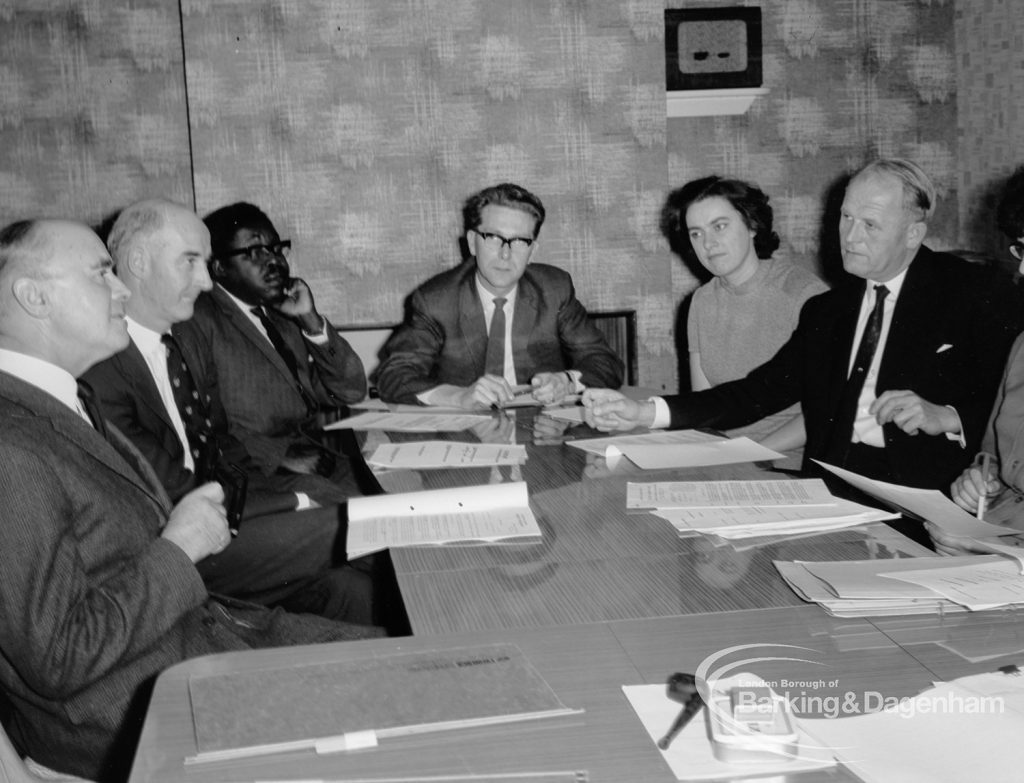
(263, 403)
(951, 331)
(131, 400)
(443, 339)
(93, 603)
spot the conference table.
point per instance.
(603, 599)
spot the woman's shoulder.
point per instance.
(795, 280)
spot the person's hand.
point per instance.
(549, 431)
(608, 410)
(298, 305)
(487, 391)
(912, 414)
(198, 524)
(946, 544)
(302, 458)
(972, 485)
(551, 387)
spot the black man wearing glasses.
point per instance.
(475, 333)
(278, 360)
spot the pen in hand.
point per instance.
(681, 688)
(986, 460)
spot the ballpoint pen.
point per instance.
(986, 460)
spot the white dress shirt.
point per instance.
(155, 354)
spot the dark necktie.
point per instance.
(193, 409)
(277, 340)
(494, 364)
(846, 412)
(92, 407)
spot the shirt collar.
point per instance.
(54, 380)
(488, 298)
(893, 285)
(145, 339)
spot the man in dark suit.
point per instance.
(98, 586)
(895, 372)
(278, 360)
(163, 395)
(473, 333)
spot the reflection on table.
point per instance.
(595, 562)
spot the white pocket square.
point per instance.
(944, 347)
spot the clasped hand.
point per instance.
(913, 414)
(608, 411)
(198, 524)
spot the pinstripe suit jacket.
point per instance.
(263, 403)
(93, 603)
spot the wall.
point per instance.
(361, 126)
(92, 107)
(850, 80)
(990, 98)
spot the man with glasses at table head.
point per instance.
(473, 333)
(895, 370)
(278, 360)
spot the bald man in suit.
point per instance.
(99, 590)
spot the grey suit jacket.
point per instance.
(263, 403)
(93, 603)
(443, 339)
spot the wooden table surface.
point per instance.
(586, 665)
(605, 599)
(595, 562)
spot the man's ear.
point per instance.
(216, 268)
(471, 236)
(137, 263)
(916, 232)
(32, 295)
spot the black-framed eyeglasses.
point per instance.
(1017, 250)
(496, 242)
(256, 252)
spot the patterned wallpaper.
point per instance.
(849, 80)
(990, 98)
(361, 127)
(92, 107)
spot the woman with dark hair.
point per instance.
(749, 308)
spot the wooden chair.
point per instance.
(619, 329)
(367, 340)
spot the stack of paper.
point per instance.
(744, 509)
(479, 514)
(919, 585)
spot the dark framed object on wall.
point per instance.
(712, 48)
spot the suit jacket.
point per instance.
(443, 339)
(950, 335)
(130, 399)
(93, 603)
(262, 400)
